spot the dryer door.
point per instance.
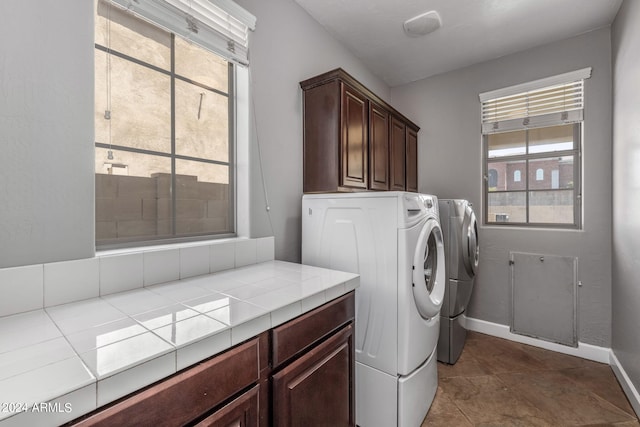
(429, 270)
(470, 245)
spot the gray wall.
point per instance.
(447, 109)
(287, 47)
(626, 189)
(46, 131)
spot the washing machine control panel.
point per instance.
(418, 206)
(428, 202)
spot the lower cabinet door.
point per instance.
(241, 412)
(317, 389)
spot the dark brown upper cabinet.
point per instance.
(378, 147)
(397, 154)
(353, 140)
(411, 162)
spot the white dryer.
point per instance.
(460, 230)
(393, 240)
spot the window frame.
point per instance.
(146, 240)
(576, 152)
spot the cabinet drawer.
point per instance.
(300, 333)
(186, 395)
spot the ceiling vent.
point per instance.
(422, 24)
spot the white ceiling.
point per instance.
(472, 31)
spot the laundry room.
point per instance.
(206, 224)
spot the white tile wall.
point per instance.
(265, 249)
(194, 261)
(223, 256)
(46, 285)
(246, 252)
(22, 289)
(120, 273)
(71, 281)
(161, 266)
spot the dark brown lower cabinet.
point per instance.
(300, 373)
(241, 412)
(317, 388)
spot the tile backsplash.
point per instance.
(37, 286)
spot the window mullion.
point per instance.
(173, 135)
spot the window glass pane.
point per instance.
(202, 123)
(132, 36)
(507, 207)
(549, 139)
(551, 173)
(503, 176)
(133, 195)
(507, 143)
(200, 65)
(140, 105)
(551, 206)
(203, 204)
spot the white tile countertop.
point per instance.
(61, 362)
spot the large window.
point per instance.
(532, 151)
(164, 134)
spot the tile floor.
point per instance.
(497, 382)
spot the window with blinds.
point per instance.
(532, 137)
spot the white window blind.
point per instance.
(220, 26)
(554, 100)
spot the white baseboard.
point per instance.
(625, 382)
(585, 351)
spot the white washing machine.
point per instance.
(394, 241)
(460, 231)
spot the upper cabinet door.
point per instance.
(412, 160)
(397, 154)
(378, 147)
(354, 127)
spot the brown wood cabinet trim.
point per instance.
(338, 346)
(295, 336)
(187, 395)
(340, 74)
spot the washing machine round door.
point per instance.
(470, 246)
(429, 270)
